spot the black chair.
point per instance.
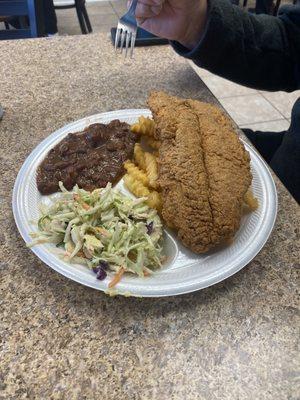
(24, 10)
(83, 18)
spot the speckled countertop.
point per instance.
(60, 340)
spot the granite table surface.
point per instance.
(60, 340)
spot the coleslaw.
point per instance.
(103, 229)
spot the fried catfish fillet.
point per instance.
(204, 170)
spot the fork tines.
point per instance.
(126, 30)
(125, 36)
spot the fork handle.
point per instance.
(133, 7)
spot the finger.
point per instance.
(148, 25)
(145, 11)
(140, 21)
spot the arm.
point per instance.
(259, 51)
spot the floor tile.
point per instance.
(92, 9)
(120, 6)
(101, 13)
(199, 71)
(102, 8)
(223, 88)
(250, 109)
(68, 26)
(282, 101)
(69, 13)
(100, 23)
(271, 126)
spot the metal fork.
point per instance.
(126, 30)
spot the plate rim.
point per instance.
(184, 289)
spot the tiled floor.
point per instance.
(103, 15)
(258, 110)
(249, 108)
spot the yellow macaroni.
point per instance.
(139, 156)
(251, 203)
(136, 187)
(154, 200)
(144, 126)
(136, 173)
(152, 143)
(151, 169)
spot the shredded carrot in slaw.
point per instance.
(82, 203)
(103, 231)
(85, 206)
(116, 279)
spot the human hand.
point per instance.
(180, 20)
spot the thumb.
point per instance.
(147, 10)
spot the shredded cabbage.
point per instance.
(103, 226)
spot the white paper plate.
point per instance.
(185, 271)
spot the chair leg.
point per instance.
(87, 19)
(277, 5)
(23, 22)
(80, 17)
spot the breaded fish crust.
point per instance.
(204, 170)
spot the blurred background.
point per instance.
(249, 108)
